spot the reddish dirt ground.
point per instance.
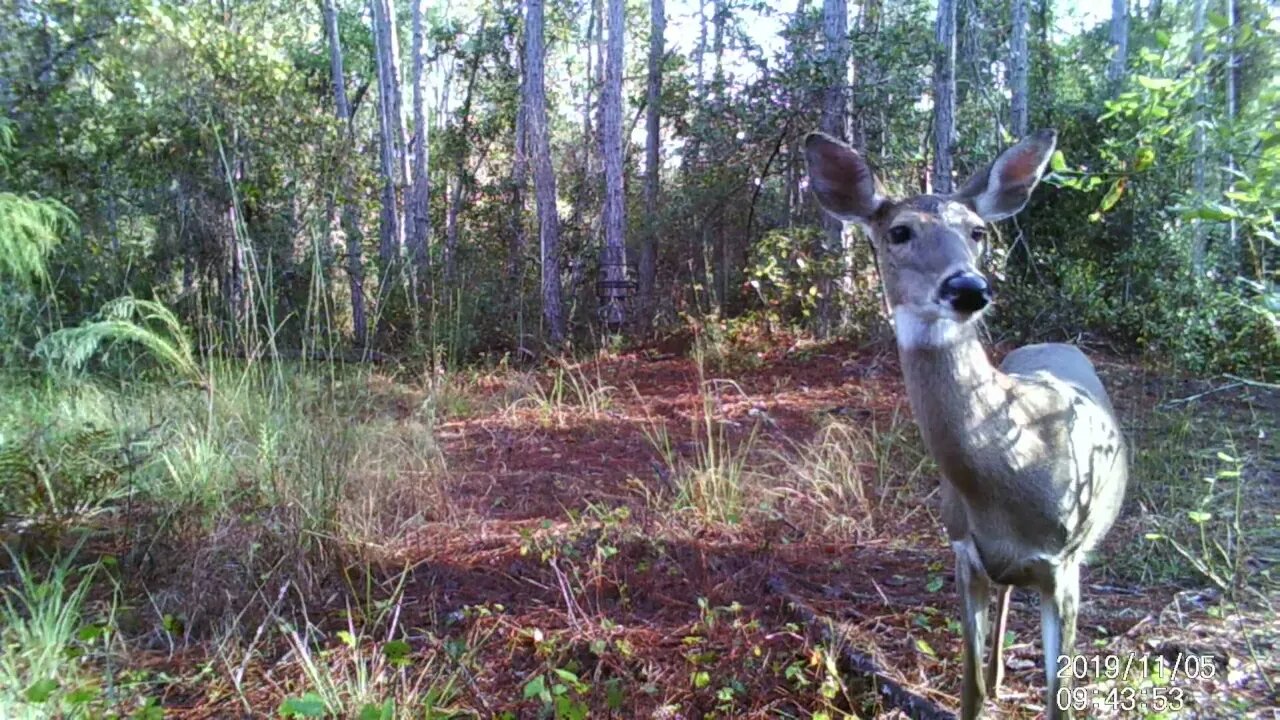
(555, 556)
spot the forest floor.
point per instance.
(647, 534)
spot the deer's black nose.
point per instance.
(966, 292)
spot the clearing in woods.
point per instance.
(655, 535)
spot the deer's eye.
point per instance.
(899, 234)
(978, 234)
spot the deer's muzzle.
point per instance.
(965, 292)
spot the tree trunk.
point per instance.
(835, 32)
(544, 178)
(1119, 45)
(1198, 242)
(350, 229)
(653, 157)
(1045, 59)
(613, 215)
(689, 160)
(397, 98)
(392, 232)
(519, 170)
(1233, 251)
(419, 213)
(1019, 64)
(944, 95)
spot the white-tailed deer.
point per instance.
(1033, 462)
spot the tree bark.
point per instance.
(1119, 44)
(392, 235)
(944, 95)
(835, 32)
(613, 215)
(519, 172)
(1019, 63)
(653, 158)
(1198, 241)
(544, 178)
(1231, 81)
(350, 229)
(419, 212)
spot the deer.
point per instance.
(1032, 457)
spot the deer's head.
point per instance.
(927, 246)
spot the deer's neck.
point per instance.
(960, 400)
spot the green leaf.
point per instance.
(1215, 212)
(397, 651)
(567, 676)
(309, 705)
(1199, 517)
(536, 687)
(1151, 83)
(923, 646)
(1162, 39)
(701, 679)
(935, 584)
(1144, 159)
(613, 695)
(40, 690)
(83, 695)
(1218, 20)
(1113, 195)
(1057, 161)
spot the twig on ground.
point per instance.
(856, 663)
(1197, 396)
(1252, 383)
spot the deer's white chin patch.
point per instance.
(916, 330)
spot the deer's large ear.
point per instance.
(1002, 188)
(842, 180)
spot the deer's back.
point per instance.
(1064, 362)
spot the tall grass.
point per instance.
(41, 673)
(711, 480)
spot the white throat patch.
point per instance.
(915, 331)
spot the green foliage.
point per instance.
(30, 229)
(145, 323)
(46, 670)
(786, 269)
(59, 477)
(1186, 279)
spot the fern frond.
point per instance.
(29, 230)
(130, 320)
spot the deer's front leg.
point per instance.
(1058, 609)
(995, 665)
(975, 596)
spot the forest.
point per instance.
(494, 358)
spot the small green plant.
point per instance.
(1217, 545)
(561, 692)
(44, 669)
(374, 678)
